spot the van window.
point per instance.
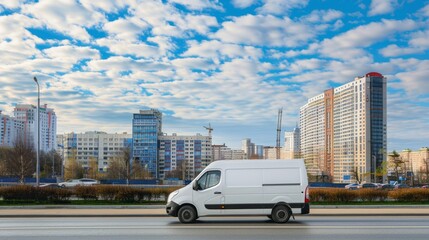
(208, 180)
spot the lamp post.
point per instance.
(38, 134)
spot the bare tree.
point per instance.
(20, 160)
(73, 168)
(397, 163)
(139, 172)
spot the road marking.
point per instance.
(210, 227)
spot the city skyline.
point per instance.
(228, 63)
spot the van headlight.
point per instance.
(172, 195)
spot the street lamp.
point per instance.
(38, 134)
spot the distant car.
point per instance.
(400, 186)
(387, 186)
(368, 185)
(49, 185)
(425, 186)
(352, 186)
(79, 182)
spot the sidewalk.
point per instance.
(159, 211)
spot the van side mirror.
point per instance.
(194, 185)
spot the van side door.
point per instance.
(207, 193)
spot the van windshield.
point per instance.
(208, 180)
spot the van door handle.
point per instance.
(217, 192)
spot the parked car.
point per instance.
(352, 186)
(368, 185)
(401, 185)
(79, 182)
(387, 186)
(49, 185)
(425, 186)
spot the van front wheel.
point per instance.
(281, 214)
(187, 214)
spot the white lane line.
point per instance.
(212, 227)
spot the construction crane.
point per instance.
(210, 129)
(279, 130)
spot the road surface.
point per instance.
(304, 227)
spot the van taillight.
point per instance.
(307, 195)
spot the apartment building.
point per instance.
(183, 157)
(99, 146)
(27, 114)
(343, 130)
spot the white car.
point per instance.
(79, 182)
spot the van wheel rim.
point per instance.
(187, 215)
(281, 214)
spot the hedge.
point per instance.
(124, 194)
(335, 195)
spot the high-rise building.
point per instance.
(292, 149)
(10, 130)
(183, 157)
(27, 114)
(147, 127)
(343, 130)
(99, 146)
(248, 147)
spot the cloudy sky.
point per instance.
(230, 63)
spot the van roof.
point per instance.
(257, 163)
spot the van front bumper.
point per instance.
(172, 209)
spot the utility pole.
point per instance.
(279, 130)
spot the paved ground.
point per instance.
(158, 211)
(233, 228)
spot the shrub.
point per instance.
(19, 192)
(410, 195)
(126, 194)
(371, 195)
(107, 192)
(86, 192)
(332, 195)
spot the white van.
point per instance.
(273, 188)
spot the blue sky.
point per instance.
(229, 63)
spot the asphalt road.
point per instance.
(304, 227)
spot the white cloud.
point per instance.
(264, 31)
(424, 11)
(415, 77)
(379, 7)
(217, 50)
(318, 16)
(200, 23)
(65, 16)
(11, 4)
(126, 29)
(141, 50)
(106, 6)
(198, 4)
(393, 50)
(280, 6)
(351, 44)
(243, 3)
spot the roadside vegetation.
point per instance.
(369, 196)
(100, 194)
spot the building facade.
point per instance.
(98, 146)
(27, 114)
(416, 162)
(222, 152)
(183, 157)
(147, 128)
(343, 131)
(10, 130)
(292, 148)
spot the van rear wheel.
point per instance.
(281, 214)
(187, 214)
